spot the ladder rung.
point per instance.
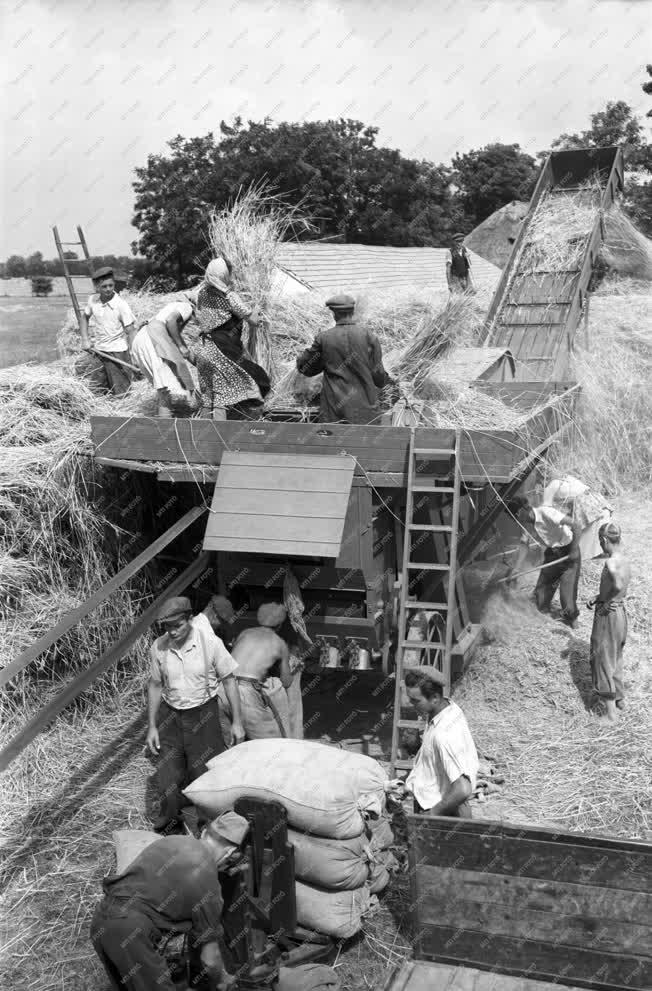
(422, 644)
(403, 765)
(426, 605)
(436, 489)
(428, 567)
(69, 244)
(430, 527)
(434, 450)
(410, 724)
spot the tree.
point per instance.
(41, 285)
(333, 169)
(35, 264)
(647, 86)
(491, 177)
(617, 124)
(15, 267)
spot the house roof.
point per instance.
(356, 268)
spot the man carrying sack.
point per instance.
(609, 632)
(171, 887)
(188, 663)
(258, 652)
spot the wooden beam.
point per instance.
(114, 654)
(77, 614)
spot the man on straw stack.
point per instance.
(187, 665)
(172, 887)
(609, 631)
(446, 767)
(259, 652)
(351, 360)
(111, 325)
(161, 354)
(458, 266)
(562, 561)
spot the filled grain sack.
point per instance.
(343, 865)
(325, 791)
(333, 913)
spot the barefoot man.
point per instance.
(609, 631)
(259, 652)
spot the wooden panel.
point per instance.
(548, 961)
(548, 905)
(276, 503)
(546, 313)
(419, 975)
(289, 484)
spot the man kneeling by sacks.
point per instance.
(170, 887)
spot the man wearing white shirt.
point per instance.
(445, 769)
(110, 324)
(560, 535)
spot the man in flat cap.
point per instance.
(171, 887)
(188, 663)
(351, 360)
(609, 632)
(264, 676)
(458, 266)
(111, 326)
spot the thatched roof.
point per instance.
(494, 238)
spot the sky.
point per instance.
(92, 88)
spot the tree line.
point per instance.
(350, 189)
(35, 265)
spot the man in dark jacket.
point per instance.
(458, 266)
(351, 358)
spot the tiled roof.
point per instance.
(355, 268)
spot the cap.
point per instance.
(102, 273)
(611, 531)
(341, 302)
(230, 827)
(271, 614)
(222, 608)
(177, 606)
(458, 237)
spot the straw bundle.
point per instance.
(625, 249)
(458, 322)
(58, 537)
(558, 232)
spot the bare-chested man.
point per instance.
(263, 696)
(609, 631)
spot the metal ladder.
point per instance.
(441, 665)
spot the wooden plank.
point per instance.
(263, 527)
(114, 654)
(291, 461)
(123, 463)
(535, 858)
(75, 615)
(519, 919)
(548, 961)
(234, 478)
(286, 548)
(426, 976)
(545, 895)
(318, 505)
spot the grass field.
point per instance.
(29, 327)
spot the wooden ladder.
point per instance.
(441, 663)
(67, 262)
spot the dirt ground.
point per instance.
(527, 698)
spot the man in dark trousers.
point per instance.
(351, 359)
(171, 887)
(458, 266)
(187, 665)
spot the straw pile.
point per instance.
(61, 525)
(559, 230)
(625, 249)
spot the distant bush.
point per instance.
(41, 285)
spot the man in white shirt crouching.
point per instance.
(444, 774)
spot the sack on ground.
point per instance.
(333, 913)
(129, 843)
(326, 791)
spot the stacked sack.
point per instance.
(335, 802)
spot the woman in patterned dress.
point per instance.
(228, 378)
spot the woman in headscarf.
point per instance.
(161, 354)
(228, 378)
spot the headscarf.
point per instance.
(611, 531)
(217, 274)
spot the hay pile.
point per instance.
(559, 230)
(625, 250)
(61, 525)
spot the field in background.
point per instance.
(29, 327)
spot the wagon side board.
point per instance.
(573, 909)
